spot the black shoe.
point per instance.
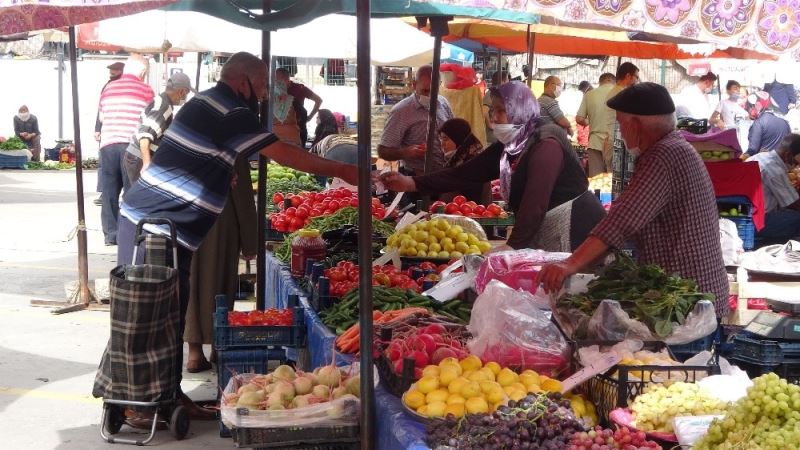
(98, 201)
(111, 243)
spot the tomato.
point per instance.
(379, 212)
(316, 212)
(296, 201)
(471, 204)
(459, 200)
(279, 224)
(291, 211)
(451, 208)
(337, 275)
(487, 213)
(494, 209)
(426, 265)
(436, 205)
(479, 210)
(334, 205)
(277, 198)
(376, 201)
(352, 274)
(297, 223)
(382, 278)
(301, 212)
(354, 202)
(465, 210)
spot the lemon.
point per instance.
(472, 240)
(517, 395)
(478, 376)
(455, 399)
(439, 395)
(495, 395)
(436, 409)
(422, 254)
(493, 366)
(421, 247)
(470, 390)
(423, 410)
(551, 385)
(449, 360)
(434, 247)
(414, 399)
(455, 255)
(484, 246)
(447, 375)
(427, 384)
(432, 371)
(507, 377)
(456, 385)
(456, 409)
(533, 388)
(527, 378)
(518, 386)
(477, 405)
(471, 362)
(487, 386)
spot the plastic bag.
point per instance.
(341, 411)
(700, 322)
(509, 329)
(689, 429)
(732, 245)
(518, 269)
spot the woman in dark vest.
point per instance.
(540, 176)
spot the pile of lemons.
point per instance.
(436, 238)
(470, 387)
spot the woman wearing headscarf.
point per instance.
(284, 122)
(459, 146)
(326, 126)
(540, 175)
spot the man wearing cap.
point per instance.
(155, 119)
(668, 210)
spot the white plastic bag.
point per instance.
(732, 245)
(509, 329)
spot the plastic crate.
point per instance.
(742, 204)
(272, 235)
(746, 229)
(764, 351)
(12, 162)
(227, 337)
(608, 392)
(789, 369)
(335, 437)
(685, 351)
(233, 362)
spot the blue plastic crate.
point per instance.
(789, 369)
(227, 337)
(686, 351)
(765, 351)
(12, 162)
(746, 229)
(234, 362)
(744, 204)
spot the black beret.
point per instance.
(643, 99)
(117, 66)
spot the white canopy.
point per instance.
(332, 36)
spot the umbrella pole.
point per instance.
(531, 43)
(83, 257)
(261, 201)
(438, 30)
(365, 223)
(60, 91)
(197, 75)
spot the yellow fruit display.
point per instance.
(529, 377)
(456, 409)
(414, 399)
(471, 389)
(439, 395)
(456, 385)
(427, 384)
(477, 405)
(454, 399)
(447, 375)
(507, 377)
(436, 409)
(436, 238)
(431, 371)
(493, 366)
(551, 385)
(471, 362)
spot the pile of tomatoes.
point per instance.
(307, 205)
(344, 276)
(269, 317)
(461, 207)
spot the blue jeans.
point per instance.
(779, 227)
(114, 179)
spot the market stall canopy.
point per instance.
(30, 15)
(577, 41)
(766, 26)
(332, 36)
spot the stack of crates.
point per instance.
(758, 356)
(743, 217)
(249, 349)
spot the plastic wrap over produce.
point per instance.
(518, 269)
(610, 322)
(469, 225)
(509, 329)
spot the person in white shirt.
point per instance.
(729, 111)
(694, 99)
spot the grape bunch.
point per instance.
(605, 439)
(656, 408)
(536, 422)
(768, 418)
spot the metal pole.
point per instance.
(664, 73)
(531, 43)
(60, 91)
(365, 223)
(197, 75)
(261, 200)
(83, 257)
(434, 106)
(499, 66)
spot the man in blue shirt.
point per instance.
(767, 130)
(189, 179)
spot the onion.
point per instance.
(283, 372)
(322, 391)
(300, 401)
(250, 399)
(285, 389)
(302, 385)
(249, 387)
(339, 392)
(329, 376)
(353, 385)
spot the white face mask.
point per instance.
(633, 147)
(24, 116)
(506, 132)
(558, 91)
(425, 101)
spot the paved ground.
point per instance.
(48, 362)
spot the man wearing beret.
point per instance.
(668, 210)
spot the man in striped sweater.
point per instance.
(121, 105)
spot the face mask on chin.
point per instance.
(506, 132)
(424, 100)
(24, 116)
(252, 101)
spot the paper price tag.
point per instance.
(600, 366)
(393, 205)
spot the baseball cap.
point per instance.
(117, 66)
(180, 80)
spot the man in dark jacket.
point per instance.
(26, 127)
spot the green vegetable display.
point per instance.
(646, 293)
(344, 314)
(13, 143)
(342, 217)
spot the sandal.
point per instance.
(198, 366)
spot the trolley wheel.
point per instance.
(179, 422)
(114, 418)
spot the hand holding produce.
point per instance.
(436, 238)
